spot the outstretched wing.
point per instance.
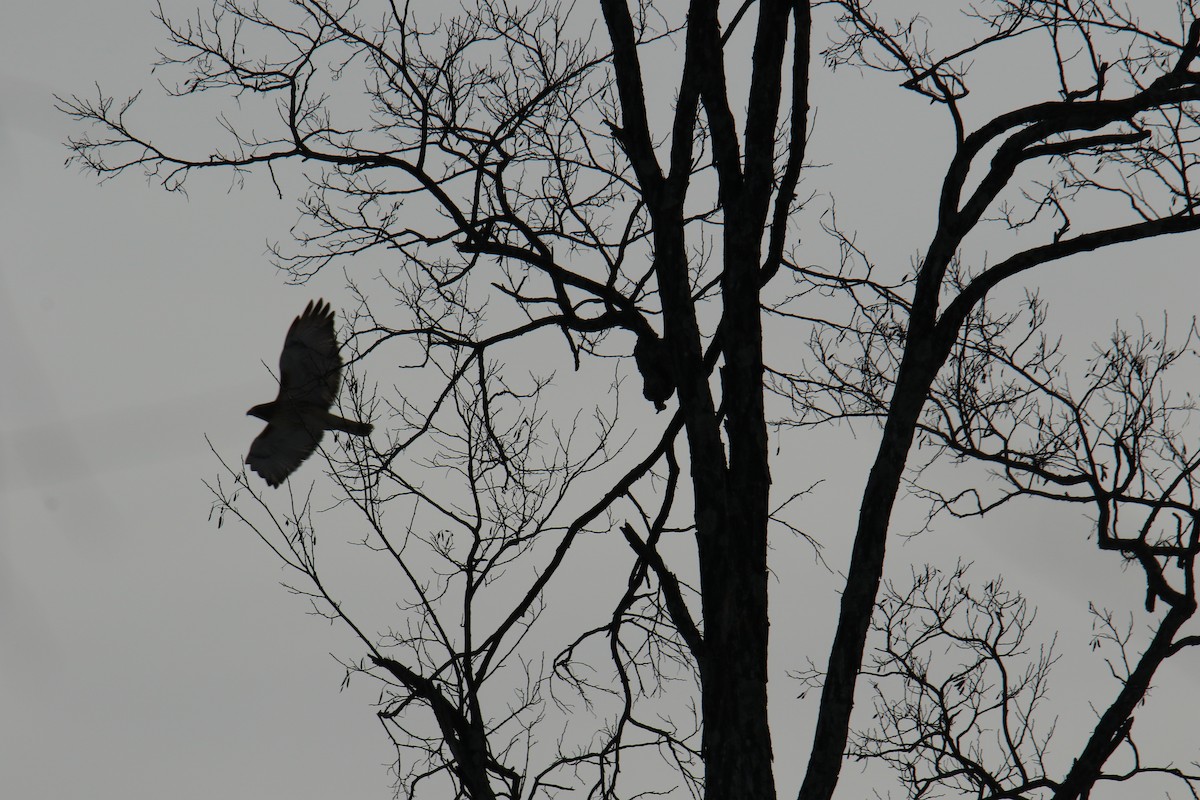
(309, 366)
(281, 448)
(309, 370)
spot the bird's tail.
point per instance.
(349, 426)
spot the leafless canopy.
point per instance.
(540, 202)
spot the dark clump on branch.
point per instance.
(658, 384)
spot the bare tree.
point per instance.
(547, 191)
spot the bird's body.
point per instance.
(309, 374)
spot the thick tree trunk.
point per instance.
(733, 556)
(737, 739)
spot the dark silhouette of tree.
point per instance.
(539, 190)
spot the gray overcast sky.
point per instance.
(144, 653)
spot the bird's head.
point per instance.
(262, 411)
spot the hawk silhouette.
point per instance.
(309, 373)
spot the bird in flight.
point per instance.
(309, 373)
